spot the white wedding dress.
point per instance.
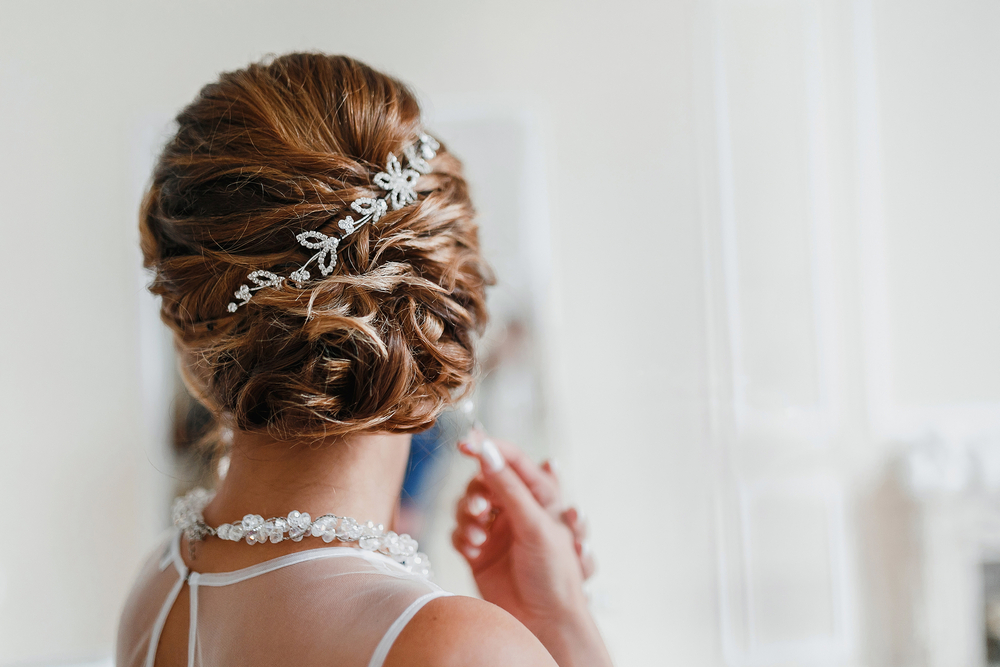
(330, 605)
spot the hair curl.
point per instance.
(385, 342)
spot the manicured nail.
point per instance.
(475, 535)
(473, 443)
(585, 549)
(478, 505)
(472, 553)
(492, 458)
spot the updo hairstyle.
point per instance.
(385, 342)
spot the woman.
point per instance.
(318, 263)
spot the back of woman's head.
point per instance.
(383, 343)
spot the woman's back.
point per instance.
(334, 605)
(318, 262)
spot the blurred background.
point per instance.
(749, 286)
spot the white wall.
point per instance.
(849, 169)
(773, 227)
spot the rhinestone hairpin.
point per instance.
(399, 184)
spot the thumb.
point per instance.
(509, 491)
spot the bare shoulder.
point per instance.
(463, 631)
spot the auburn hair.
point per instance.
(383, 343)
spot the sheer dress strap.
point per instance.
(193, 617)
(236, 576)
(390, 636)
(172, 556)
(161, 619)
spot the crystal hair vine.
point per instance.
(399, 184)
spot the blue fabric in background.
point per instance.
(425, 448)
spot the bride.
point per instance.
(318, 263)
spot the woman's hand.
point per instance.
(527, 553)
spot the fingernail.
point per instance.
(473, 442)
(475, 535)
(492, 458)
(478, 505)
(569, 516)
(553, 466)
(472, 553)
(585, 549)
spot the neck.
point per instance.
(359, 476)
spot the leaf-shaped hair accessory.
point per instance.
(366, 206)
(259, 278)
(429, 146)
(418, 154)
(399, 183)
(265, 279)
(327, 246)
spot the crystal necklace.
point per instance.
(255, 529)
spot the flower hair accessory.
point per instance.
(399, 184)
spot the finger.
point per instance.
(551, 468)
(477, 486)
(476, 501)
(473, 531)
(577, 523)
(542, 484)
(587, 563)
(475, 535)
(464, 547)
(473, 507)
(507, 490)
(477, 506)
(463, 518)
